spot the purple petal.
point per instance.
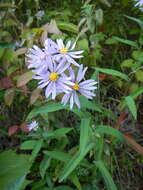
(70, 60)
(75, 56)
(53, 91)
(48, 90)
(81, 73)
(76, 100)
(87, 93)
(44, 84)
(88, 81)
(65, 98)
(71, 101)
(72, 74)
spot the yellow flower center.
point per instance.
(75, 87)
(54, 76)
(63, 50)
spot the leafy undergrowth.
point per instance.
(99, 146)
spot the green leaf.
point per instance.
(139, 75)
(63, 187)
(56, 154)
(138, 55)
(127, 63)
(74, 162)
(28, 145)
(61, 132)
(57, 133)
(132, 106)
(138, 21)
(44, 165)
(128, 42)
(84, 134)
(99, 16)
(13, 169)
(135, 94)
(111, 40)
(104, 129)
(106, 175)
(85, 103)
(75, 181)
(51, 107)
(112, 72)
(83, 44)
(67, 26)
(36, 149)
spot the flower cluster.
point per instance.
(53, 67)
(139, 3)
(33, 126)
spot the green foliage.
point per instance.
(72, 149)
(13, 169)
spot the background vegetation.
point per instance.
(97, 147)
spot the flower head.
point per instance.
(42, 59)
(54, 80)
(140, 4)
(38, 58)
(66, 53)
(33, 126)
(85, 88)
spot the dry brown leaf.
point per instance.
(35, 95)
(20, 51)
(24, 79)
(52, 28)
(134, 145)
(8, 96)
(49, 28)
(13, 130)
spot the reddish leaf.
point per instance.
(6, 82)
(35, 95)
(13, 130)
(103, 76)
(134, 145)
(24, 127)
(101, 28)
(8, 96)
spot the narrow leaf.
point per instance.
(104, 129)
(74, 162)
(84, 134)
(106, 175)
(132, 106)
(138, 21)
(128, 42)
(112, 72)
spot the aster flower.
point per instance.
(54, 79)
(66, 53)
(37, 58)
(41, 59)
(84, 88)
(140, 4)
(33, 126)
